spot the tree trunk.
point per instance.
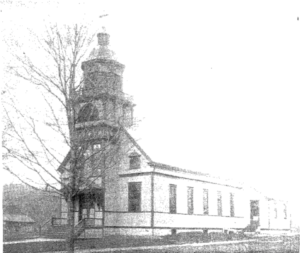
(71, 219)
(73, 166)
(71, 201)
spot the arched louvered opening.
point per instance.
(88, 113)
(134, 161)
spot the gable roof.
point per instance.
(165, 166)
(68, 156)
(150, 161)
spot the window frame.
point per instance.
(135, 204)
(190, 200)
(87, 113)
(205, 202)
(219, 203)
(232, 205)
(172, 198)
(134, 162)
(284, 211)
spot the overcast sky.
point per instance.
(215, 83)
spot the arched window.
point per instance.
(87, 113)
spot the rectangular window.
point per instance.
(205, 201)
(219, 200)
(284, 211)
(231, 204)
(134, 197)
(275, 212)
(172, 198)
(190, 203)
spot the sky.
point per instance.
(215, 83)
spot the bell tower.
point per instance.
(102, 107)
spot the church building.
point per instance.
(127, 192)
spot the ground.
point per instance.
(185, 242)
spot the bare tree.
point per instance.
(37, 142)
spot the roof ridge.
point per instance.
(178, 169)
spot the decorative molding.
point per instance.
(143, 173)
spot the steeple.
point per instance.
(102, 52)
(102, 105)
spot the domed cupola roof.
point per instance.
(102, 52)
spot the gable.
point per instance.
(64, 162)
(128, 136)
(137, 146)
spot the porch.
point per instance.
(88, 215)
(88, 204)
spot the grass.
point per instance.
(34, 247)
(126, 241)
(19, 237)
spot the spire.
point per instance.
(102, 52)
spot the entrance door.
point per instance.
(254, 214)
(86, 207)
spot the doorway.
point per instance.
(86, 207)
(254, 214)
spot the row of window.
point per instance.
(190, 201)
(134, 199)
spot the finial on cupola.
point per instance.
(102, 52)
(103, 39)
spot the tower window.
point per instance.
(127, 114)
(87, 113)
(134, 161)
(134, 197)
(96, 147)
